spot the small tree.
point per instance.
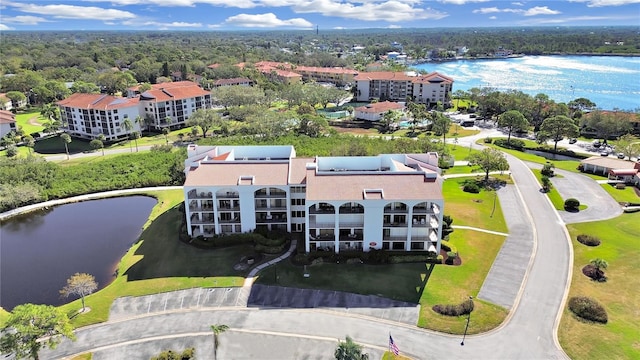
(599, 264)
(546, 183)
(96, 145)
(30, 142)
(556, 128)
(349, 350)
(127, 125)
(136, 135)
(512, 120)
(30, 328)
(80, 284)
(217, 330)
(165, 132)
(628, 145)
(489, 160)
(102, 138)
(572, 204)
(66, 139)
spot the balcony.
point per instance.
(322, 210)
(321, 225)
(235, 220)
(264, 207)
(227, 195)
(193, 194)
(358, 224)
(205, 220)
(271, 220)
(228, 208)
(433, 221)
(394, 238)
(195, 208)
(351, 237)
(394, 224)
(398, 210)
(271, 195)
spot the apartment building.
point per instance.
(89, 115)
(398, 86)
(389, 201)
(167, 104)
(171, 104)
(7, 122)
(332, 75)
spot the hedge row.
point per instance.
(588, 240)
(371, 257)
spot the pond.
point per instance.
(41, 250)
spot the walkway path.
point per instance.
(101, 195)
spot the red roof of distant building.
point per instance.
(233, 81)
(98, 101)
(384, 75)
(174, 92)
(433, 77)
(380, 107)
(7, 117)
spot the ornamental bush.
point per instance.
(588, 240)
(464, 308)
(471, 188)
(571, 204)
(588, 309)
(515, 144)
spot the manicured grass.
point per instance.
(390, 356)
(22, 120)
(618, 339)
(4, 315)
(628, 194)
(553, 194)
(182, 266)
(472, 209)
(85, 356)
(454, 284)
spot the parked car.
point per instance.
(573, 141)
(604, 153)
(620, 156)
(596, 144)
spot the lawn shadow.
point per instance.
(163, 255)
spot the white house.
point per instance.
(375, 111)
(390, 201)
(174, 102)
(397, 86)
(7, 122)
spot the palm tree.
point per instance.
(349, 350)
(140, 121)
(102, 138)
(599, 264)
(167, 129)
(136, 135)
(217, 330)
(67, 140)
(128, 126)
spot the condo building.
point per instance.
(389, 201)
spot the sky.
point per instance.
(230, 15)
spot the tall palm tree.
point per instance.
(102, 138)
(127, 125)
(350, 350)
(140, 121)
(217, 330)
(67, 140)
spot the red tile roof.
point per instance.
(379, 107)
(327, 70)
(433, 77)
(174, 92)
(232, 81)
(7, 117)
(384, 75)
(97, 101)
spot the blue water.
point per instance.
(609, 81)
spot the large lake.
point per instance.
(609, 81)
(41, 250)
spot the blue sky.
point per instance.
(208, 15)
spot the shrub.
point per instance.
(488, 140)
(515, 144)
(464, 308)
(588, 240)
(588, 309)
(301, 259)
(439, 258)
(471, 188)
(447, 246)
(571, 204)
(547, 170)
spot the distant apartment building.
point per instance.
(389, 201)
(289, 73)
(375, 111)
(7, 122)
(164, 105)
(399, 86)
(233, 82)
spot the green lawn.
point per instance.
(627, 195)
(182, 267)
(553, 194)
(22, 120)
(472, 209)
(620, 295)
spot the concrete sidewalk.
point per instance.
(503, 282)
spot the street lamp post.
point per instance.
(467, 327)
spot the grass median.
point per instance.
(618, 339)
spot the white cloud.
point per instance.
(493, 17)
(61, 11)
(394, 27)
(391, 11)
(4, 27)
(245, 4)
(576, 19)
(601, 3)
(517, 3)
(540, 10)
(268, 20)
(23, 19)
(461, 2)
